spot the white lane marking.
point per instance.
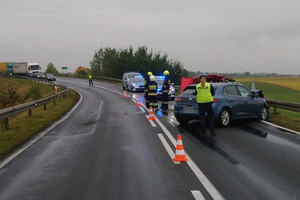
(167, 147)
(151, 121)
(199, 174)
(34, 140)
(204, 180)
(167, 132)
(198, 195)
(142, 109)
(286, 129)
(133, 100)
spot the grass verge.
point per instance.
(23, 127)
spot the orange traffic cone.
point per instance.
(138, 103)
(179, 155)
(124, 95)
(151, 114)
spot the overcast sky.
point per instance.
(205, 35)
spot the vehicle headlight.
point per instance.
(133, 84)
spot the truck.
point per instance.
(6, 67)
(26, 68)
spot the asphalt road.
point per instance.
(107, 149)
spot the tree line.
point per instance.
(112, 62)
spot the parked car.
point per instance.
(231, 101)
(50, 77)
(160, 81)
(39, 75)
(133, 81)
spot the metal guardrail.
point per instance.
(8, 112)
(283, 105)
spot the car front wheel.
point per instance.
(224, 118)
(264, 113)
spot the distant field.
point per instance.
(290, 82)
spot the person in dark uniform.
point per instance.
(205, 93)
(147, 80)
(152, 93)
(165, 91)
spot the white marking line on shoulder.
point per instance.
(167, 147)
(199, 174)
(151, 121)
(198, 195)
(286, 129)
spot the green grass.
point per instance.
(23, 127)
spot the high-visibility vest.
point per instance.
(90, 76)
(203, 93)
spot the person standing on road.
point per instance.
(147, 80)
(91, 80)
(205, 93)
(165, 91)
(152, 93)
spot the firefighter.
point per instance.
(147, 80)
(91, 80)
(152, 93)
(165, 91)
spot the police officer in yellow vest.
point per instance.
(205, 93)
(91, 80)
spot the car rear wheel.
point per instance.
(264, 113)
(224, 118)
(182, 120)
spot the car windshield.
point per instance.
(159, 81)
(189, 91)
(132, 76)
(34, 67)
(137, 78)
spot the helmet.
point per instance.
(149, 73)
(152, 78)
(166, 72)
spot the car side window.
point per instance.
(189, 91)
(231, 90)
(244, 91)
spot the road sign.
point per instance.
(64, 67)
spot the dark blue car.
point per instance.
(231, 101)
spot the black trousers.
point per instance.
(206, 108)
(165, 99)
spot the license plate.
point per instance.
(190, 110)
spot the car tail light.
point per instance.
(177, 99)
(216, 100)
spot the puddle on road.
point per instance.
(255, 131)
(225, 155)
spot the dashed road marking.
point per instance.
(151, 121)
(198, 195)
(167, 147)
